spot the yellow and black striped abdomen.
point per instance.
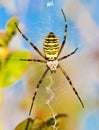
(51, 46)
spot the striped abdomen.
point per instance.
(51, 46)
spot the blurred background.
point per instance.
(36, 19)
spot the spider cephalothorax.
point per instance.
(52, 51)
(53, 65)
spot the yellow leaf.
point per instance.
(10, 31)
(13, 68)
(10, 27)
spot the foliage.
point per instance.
(11, 69)
(10, 31)
(38, 124)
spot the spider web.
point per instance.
(48, 102)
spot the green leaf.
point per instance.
(28, 124)
(11, 28)
(38, 124)
(10, 31)
(25, 125)
(4, 52)
(12, 69)
(3, 37)
(51, 121)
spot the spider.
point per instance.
(52, 51)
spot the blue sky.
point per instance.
(4, 17)
(93, 6)
(40, 20)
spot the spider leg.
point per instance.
(70, 82)
(65, 30)
(37, 88)
(35, 48)
(35, 60)
(67, 55)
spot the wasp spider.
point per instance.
(52, 51)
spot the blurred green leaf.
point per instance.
(10, 27)
(4, 52)
(10, 31)
(25, 125)
(12, 69)
(38, 124)
(3, 39)
(51, 121)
